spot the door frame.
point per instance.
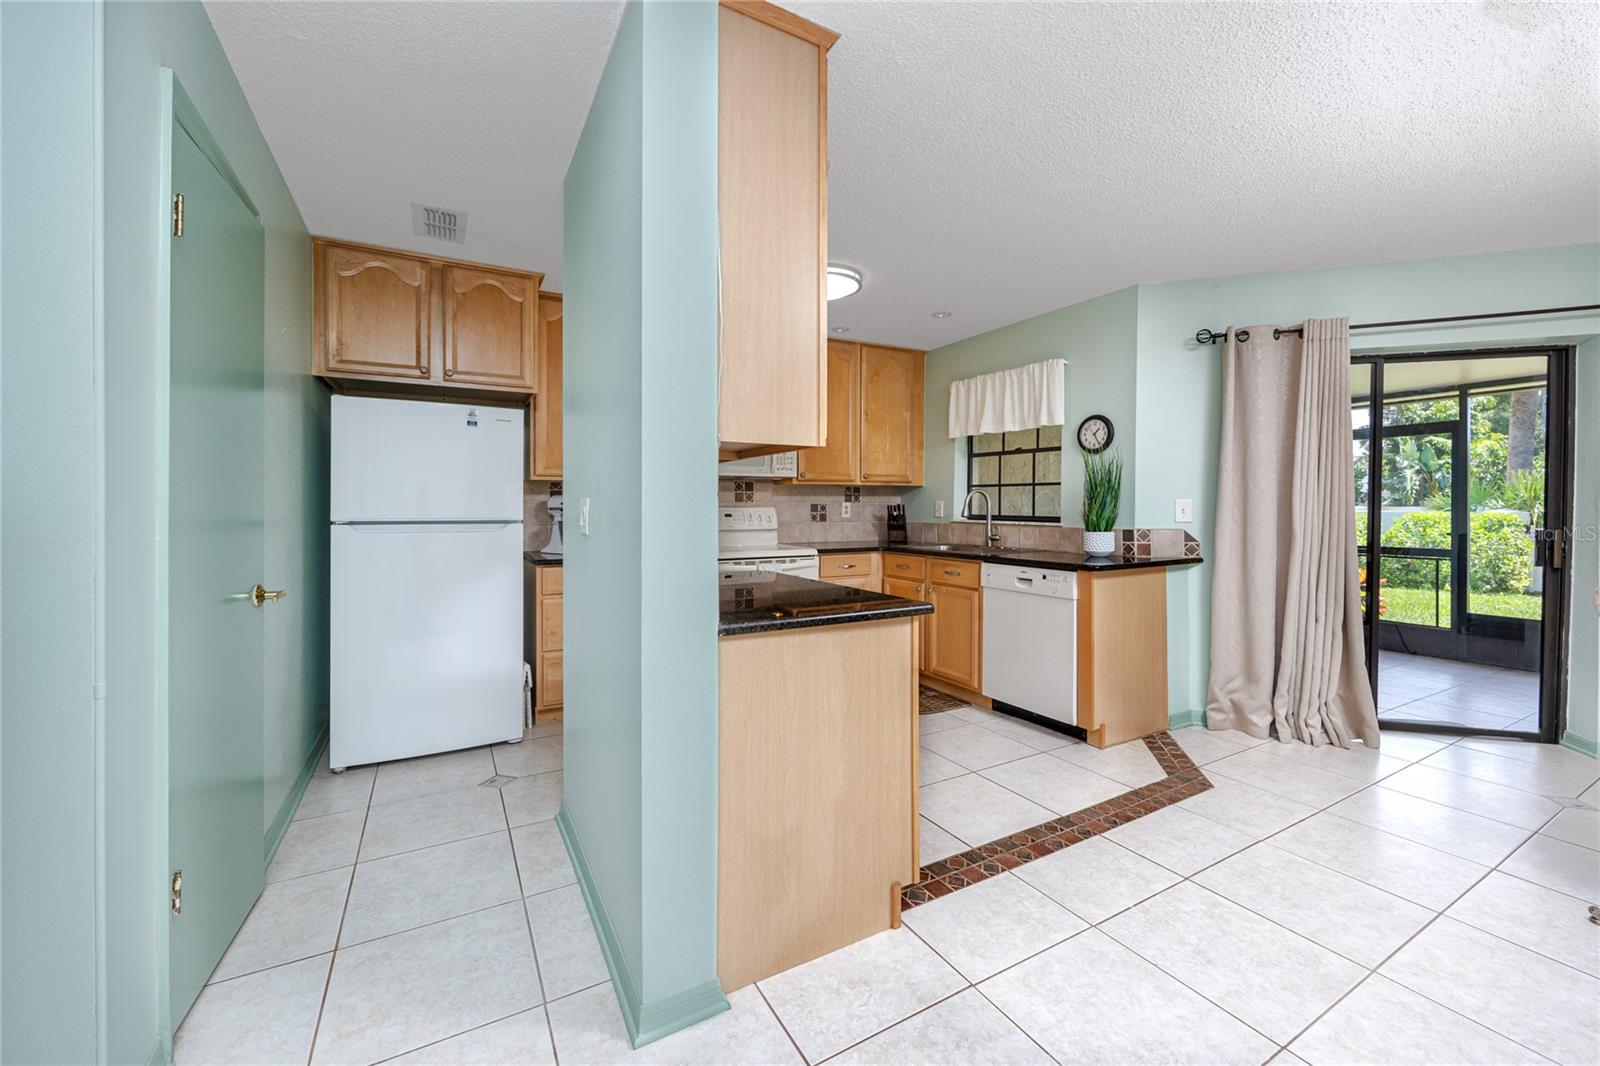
(1557, 619)
(179, 116)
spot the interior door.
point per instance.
(214, 626)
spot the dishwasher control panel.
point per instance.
(1062, 584)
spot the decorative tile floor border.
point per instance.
(1183, 780)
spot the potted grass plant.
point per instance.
(1102, 494)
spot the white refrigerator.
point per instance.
(426, 561)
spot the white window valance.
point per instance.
(1009, 400)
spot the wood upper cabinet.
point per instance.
(839, 460)
(544, 414)
(874, 418)
(772, 166)
(891, 416)
(374, 313)
(388, 321)
(491, 327)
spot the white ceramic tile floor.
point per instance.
(1478, 696)
(1266, 919)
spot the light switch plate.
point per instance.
(583, 516)
(938, 508)
(1184, 511)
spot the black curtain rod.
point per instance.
(1206, 336)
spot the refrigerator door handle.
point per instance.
(427, 527)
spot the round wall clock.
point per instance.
(1095, 433)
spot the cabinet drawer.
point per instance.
(550, 580)
(855, 564)
(549, 679)
(964, 573)
(914, 567)
(550, 623)
(865, 581)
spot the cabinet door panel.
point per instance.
(544, 414)
(490, 328)
(891, 415)
(957, 638)
(839, 461)
(909, 589)
(772, 204)
(376, 310)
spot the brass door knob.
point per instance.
(260, 594)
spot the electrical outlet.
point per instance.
(583, 516)
(844, 509)
(938, 508)
(1184, 511)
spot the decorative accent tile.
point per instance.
(744, 492)
(555, 488)
(852, 493)
(819, 512)
(1183, 780)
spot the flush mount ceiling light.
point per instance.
(842, 281)
(941, 314)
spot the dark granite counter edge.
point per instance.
(845, 616)
(1041, 559)
(541, 559)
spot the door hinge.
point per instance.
(177, 892)
(1558, 548)
(177, 215)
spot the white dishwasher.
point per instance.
(1030, 640)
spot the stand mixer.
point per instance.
(556, 506)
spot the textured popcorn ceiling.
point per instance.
(996, 160)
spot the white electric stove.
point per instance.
(747, 542)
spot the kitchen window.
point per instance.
(1021, 472)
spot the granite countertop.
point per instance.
(541, 559)
(762, 602)
(1043, 560)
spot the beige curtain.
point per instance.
(1286, 645)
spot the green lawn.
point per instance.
(1416, 605)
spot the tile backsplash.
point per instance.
(813, 513)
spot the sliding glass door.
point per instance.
(1461, 578)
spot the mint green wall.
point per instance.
(1095, 337)
(140, 38)
(49, 519)
(1179, 383)
(1583, 678)
(640, 422)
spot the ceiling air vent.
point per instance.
(440, 223)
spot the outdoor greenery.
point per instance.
(1500, 560)
(1417, 605)
(1102, 490)
(1505, 452)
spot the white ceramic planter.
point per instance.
(1100, 543)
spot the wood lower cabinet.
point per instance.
(549, 637)
(1122, 654)
(862, 570)
(544, 413)
(874, 418)
(491, 323)
(390, 321)
(955, 639)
